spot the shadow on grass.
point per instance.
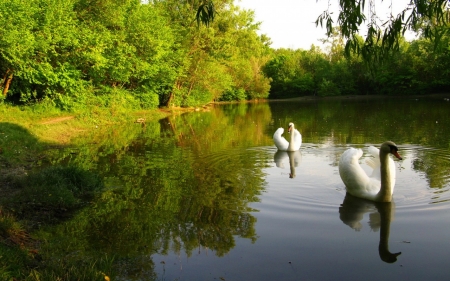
(19, 152)
(31, 198)
(34, 194)
(18, 145)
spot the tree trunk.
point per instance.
(171, 95)
(7, 81)
(170, 99)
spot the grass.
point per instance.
(41, 198)
(60, 127)
(30, 199)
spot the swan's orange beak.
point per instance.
(397, 155)
(290, 129)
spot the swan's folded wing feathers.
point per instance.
(375, 152)
(374, 162)
(280, 142)
(356, 180)
(349, 169)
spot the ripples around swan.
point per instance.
(317, 183)
(306, 222)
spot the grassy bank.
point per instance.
(27, 132)
(30, 200)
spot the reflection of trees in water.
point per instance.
(182, 205)
(178, 184)
(426, 122)
(352, 211)
(373, 121)
(186, 181)
(435, 164)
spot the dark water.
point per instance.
(206, 195)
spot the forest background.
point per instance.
(80, 54)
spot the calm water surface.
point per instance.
(206, 195)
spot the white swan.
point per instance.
(380, 185)
(282, 144)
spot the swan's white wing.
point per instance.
(356, 181)
(297, 139)
(280, 142)
(374, 162)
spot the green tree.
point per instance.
(36, 41)
(386, 33)
(221, 60)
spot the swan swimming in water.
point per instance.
(379, 186)
(282, 144)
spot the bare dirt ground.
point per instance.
(56, 120)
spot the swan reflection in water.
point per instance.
(352, 211)
(295, 158)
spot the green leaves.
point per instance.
(432, 17)
(205, 13)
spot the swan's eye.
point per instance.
(393, 149)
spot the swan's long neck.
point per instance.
(385, 193)
(291, 139)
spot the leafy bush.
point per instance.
(149, 100)
(233, 95)
(328, 88)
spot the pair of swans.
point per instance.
(378, 187)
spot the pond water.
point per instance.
(206, 196)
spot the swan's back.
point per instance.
(280, 142)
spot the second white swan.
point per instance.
(379, 186)
(295, 139)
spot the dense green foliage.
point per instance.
(416, 68)
(103, 53)
(140, 55)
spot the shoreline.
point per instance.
(63, 129)
(362, 97)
